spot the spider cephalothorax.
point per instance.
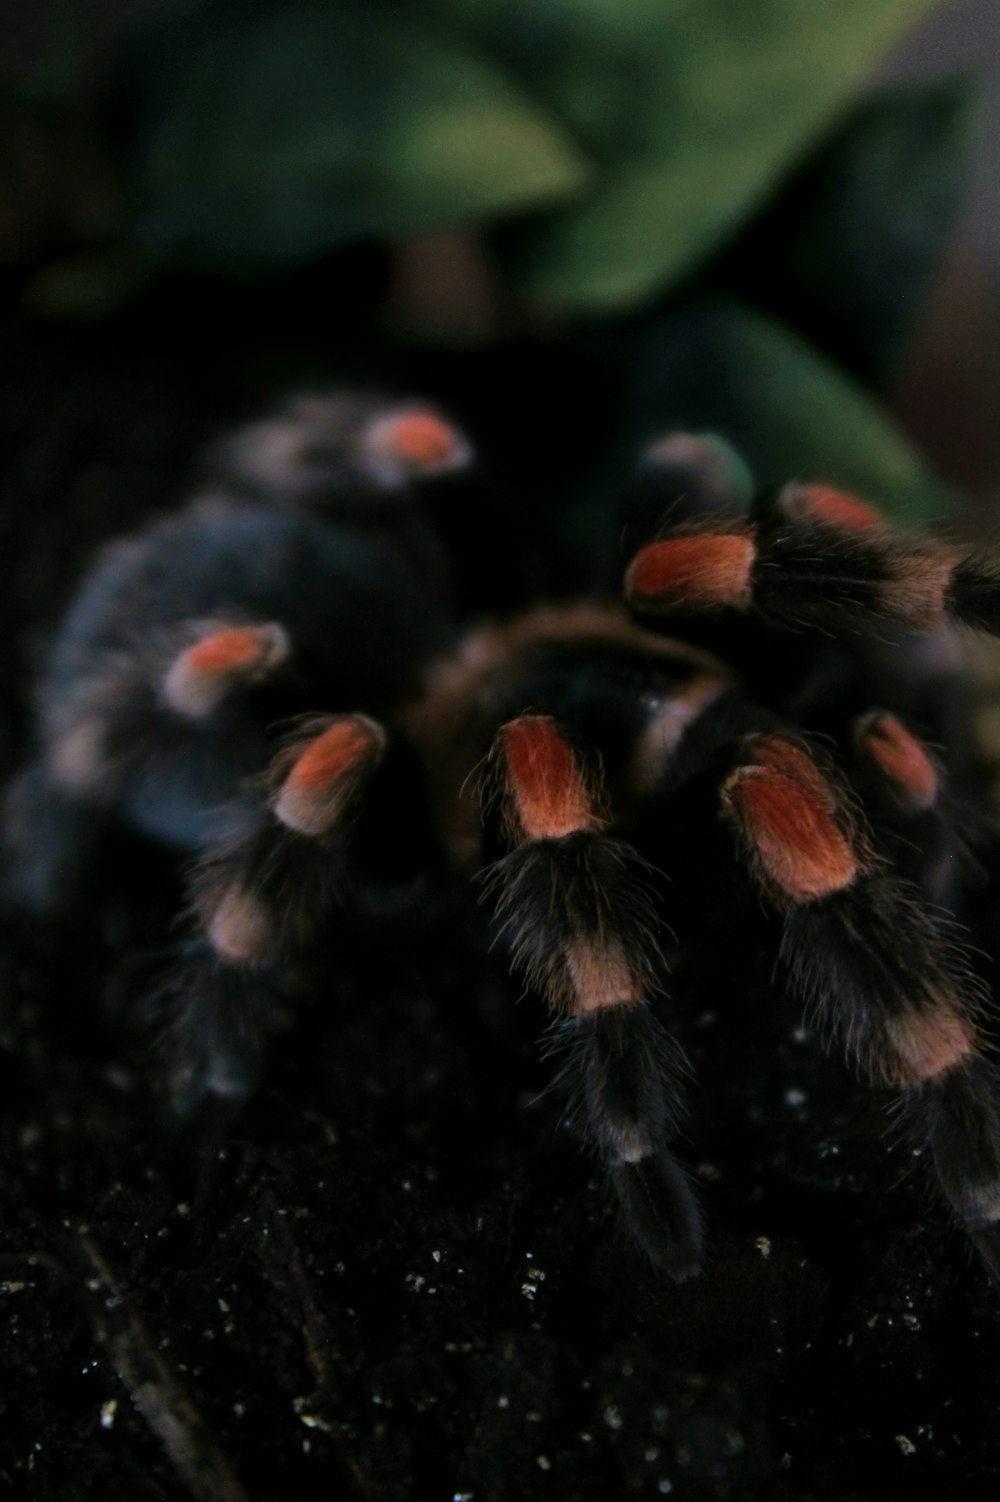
(245, 676)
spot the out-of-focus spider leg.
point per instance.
(223, 661)
(876, 973)
(574, 909)
(259, 896)
(681, 477)
(165, 710)
(159, 701)
(50, 840)
(904, 792)
(815, 556)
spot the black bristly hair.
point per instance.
(622, 1075)
(288, 683)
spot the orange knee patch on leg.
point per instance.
(547, 795)
(223, 651)
(901, 758)
(780, 755)
(331, 755)
(832, 507)
(795, 839)
(422, 438)
(925, 1044)
(699, 573)
(327, 772)
(199, 677)
(419, 440)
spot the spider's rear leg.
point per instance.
(812, 555)
(873, 968)
(259, 897)
(576, 913)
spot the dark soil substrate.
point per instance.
(395, 1276)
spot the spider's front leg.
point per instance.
(873, 968)
(575, 910)
(260, 895)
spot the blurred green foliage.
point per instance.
(850, 245)
(691, 181)
(641, 132)
(784, 405)
(278, 131)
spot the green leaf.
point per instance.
(629, 138)
(279, 131)
(691, 111)
(719, 365)
(849, 252)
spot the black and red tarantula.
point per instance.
(245, 679)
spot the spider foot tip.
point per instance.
(661, 1212)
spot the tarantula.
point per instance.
(245, 678)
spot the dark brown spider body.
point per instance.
(247, 680)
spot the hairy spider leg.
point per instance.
(576, 913)
(327, 448)
(259, 897)
(814, 556)
(179, 699)
(162, 709)
(872, 967)
(416, 441)
(222, 661)
(905, 793)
